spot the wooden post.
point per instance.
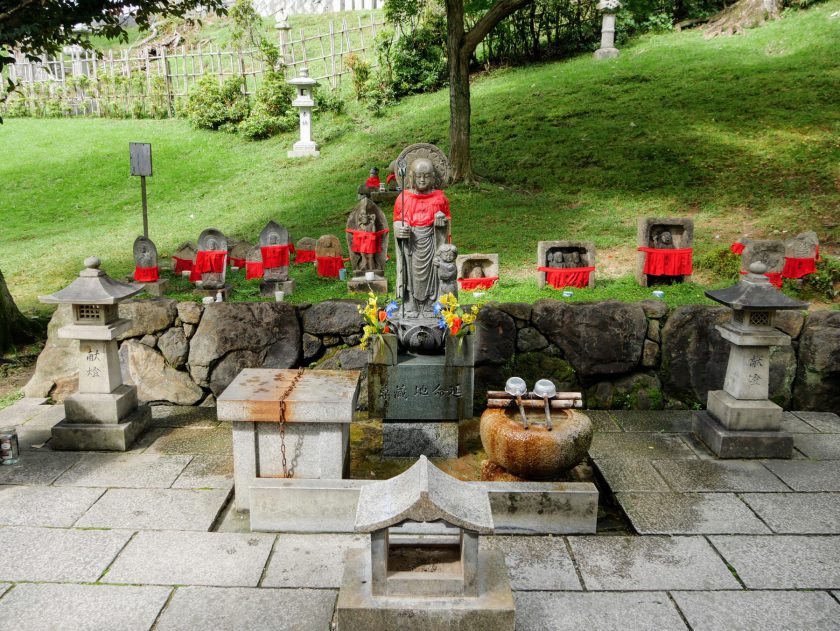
(170, 106)
(332, 54)
(143, 198)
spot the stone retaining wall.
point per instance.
(620, 355)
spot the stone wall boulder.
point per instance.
(495, 336)
(817, 385)
(174, 346)
(602, 338)
(637, 391)
(333, 317)
(267, 330)
(57, 369)
(155, 380)
(148, 316)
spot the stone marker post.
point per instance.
(608, 50)
(740, 420)
(303, 84)
(103, 414)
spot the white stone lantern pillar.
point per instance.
(284, 30)
(304, 103)
(103, 414)
(608, 50)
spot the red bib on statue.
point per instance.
(420, 210)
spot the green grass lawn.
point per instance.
(740, 133)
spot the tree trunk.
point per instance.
(15, 328)
(744, 14)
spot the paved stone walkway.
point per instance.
(142, 540)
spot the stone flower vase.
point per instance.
(382, 349)
(460, 351)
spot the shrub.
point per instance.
(328, 101)
(260, 124)
(361, 73)
(418, 59)
(209, 105)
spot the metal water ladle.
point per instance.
(546, 390)
(516, 387)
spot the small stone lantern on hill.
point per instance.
(103, 414)
(304, 103)
(740, 420)
(608, 50)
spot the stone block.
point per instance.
(689, 514)
(45, 505)
(640, 445)
(807, 475)
(113, 407)
(311, 560)
(405, 439)
(741, 444)
(492, 610)
(827, 422)
(34, 607)
(718, 476)
(157, 288)
(790, 562)
(236, 608)
(615, 611)
(193, 558)
(634, 474)
(156, 509)
(660, 421)
(125, 470)
(58, 554)
(74, 436)
(819, 446)
(207, 472)
(360, 285)
(797, 513)
(607, 53)
(535, 563)
(649, 563)
(524, 508)
(585, 251)
(758, 611)
(740, 414)
(420, 388)
(650, 353)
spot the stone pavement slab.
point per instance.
(237, 609)
(602, 421)
(758, 611)
(4, 587)
(653, 421)
(192, 558)
(827, 422)
(797, 513)
(783, 561)
(718, 475)
(188, 440)
(818, 446)
(36, 467)
(52, 554)
(640, 445)
(689, 514)
(649, 563)
(630, 475)
(536, 563)
(604, 611)
(156, 509)
(20, 412)
(792, 424)
(310, 560)
(46, 417)
(35, 607)
(45, 505)
(698, 446)
(207, 472)
(125, 470)
(807, 475)
(183, 416)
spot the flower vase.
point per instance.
(382, 349)
(460, 351)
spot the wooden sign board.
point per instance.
(141, 158)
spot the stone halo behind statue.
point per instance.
(430, 152)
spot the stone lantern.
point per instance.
(740, 421)
(608, 50)
(304, 103)
(103, 414)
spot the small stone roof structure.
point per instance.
(423, 493)
(93, 287)
(754, 291)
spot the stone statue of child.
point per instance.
(477, 272)
(447, 270)
(664, 241)
(366, 222)
(555, 259)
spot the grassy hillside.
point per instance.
(742, 134)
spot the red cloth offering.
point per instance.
(392, 177)
(367, 242)
(275, 256)
(420, 210)
(567, 277)
(775, 278)
(797, 268)
(737, 248)
(662, 262)
(208, 261)
(237, 262)
(471, 284)
(182, 265)
(146, 274)
(372, 182)
(253, 269)
(305, 256)
(329, 266)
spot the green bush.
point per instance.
(328, 100)
(418, 58)
(721, 261)
(261, 124)
(825, 282)
(275, 96)
(210, 106)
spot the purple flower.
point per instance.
(391, 308)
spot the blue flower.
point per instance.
(438, 309)
(441, 323)
(391, 308)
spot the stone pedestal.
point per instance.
(406, 439)
(268, 287)
(318, 412)
(93, 436)
(607, 49)
(202, 291)
(741, 444)
(156, 288)
(360, 285)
